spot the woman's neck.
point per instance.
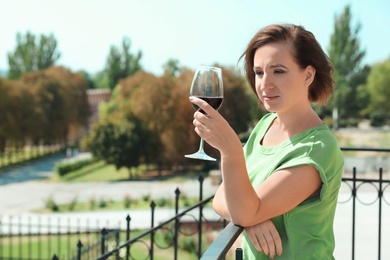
(297, 121)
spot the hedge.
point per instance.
(64, 168)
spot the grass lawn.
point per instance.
(99, 171)
(65, 247)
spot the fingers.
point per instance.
(203, 105)
(265, 238)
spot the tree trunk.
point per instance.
(335, 115)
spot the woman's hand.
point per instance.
(265, 238)
(213, 128)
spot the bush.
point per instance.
(127, 201)
(348, 122)
(66, 167)
(378, 118)
(52, 205)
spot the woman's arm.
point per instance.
(281, 192)
(246, 206)
(219, 203)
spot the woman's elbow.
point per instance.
(244, 219)
(221, 210)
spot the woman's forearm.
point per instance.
(241, 200)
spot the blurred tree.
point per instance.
(16, 114)
(5, 102)
(172, 67)
(100, 79)
(240, 115)
(60, 103)
(378, 87)
(87, 78)
(162, 103)
(121, 63)
(32, 54)
(346, 57)
(123, 143)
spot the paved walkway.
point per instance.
(24, 197)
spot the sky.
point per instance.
(198, 32)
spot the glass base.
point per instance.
(200, 156)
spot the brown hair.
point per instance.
(305, 50)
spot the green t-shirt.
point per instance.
(307, 230)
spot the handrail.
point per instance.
(365, 149)
(223, 242)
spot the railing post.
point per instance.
(238, 254)
(353, 210)
(128, 219)
(55, 257)
(117, 241)
(175, 238)
(103, 244)
(380, 194)
(152, 206)
(201, 179)
(79, 249)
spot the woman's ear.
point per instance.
(310, 74)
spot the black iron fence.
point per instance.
(195, 230)
(34, 237)
(188, 232)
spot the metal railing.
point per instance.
(174, 226)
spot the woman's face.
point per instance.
(281, 84)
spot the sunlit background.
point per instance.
(193, 32)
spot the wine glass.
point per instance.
(207, 85)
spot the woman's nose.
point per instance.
(265, 82)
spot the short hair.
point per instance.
(305, 50)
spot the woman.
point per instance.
(283, 186)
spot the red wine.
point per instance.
(215, 102)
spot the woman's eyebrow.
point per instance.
(277, 66)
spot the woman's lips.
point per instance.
(270, 98)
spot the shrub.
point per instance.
(51, 204)
(92, 203)
(146, 197)
(378, 118)
(73, 204)
(127, 201)
(66, 167)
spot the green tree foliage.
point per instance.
(88, 79)
(100, 80)
(123, 143)
(378, 87)
(32, 53)
(346, 55)
(172, 67)
(121, 63)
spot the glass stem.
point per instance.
(201, 145)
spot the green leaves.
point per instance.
(121, 63)
(124, 143)
(31, 54)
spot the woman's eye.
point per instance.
(259, 72)
(279, 71)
